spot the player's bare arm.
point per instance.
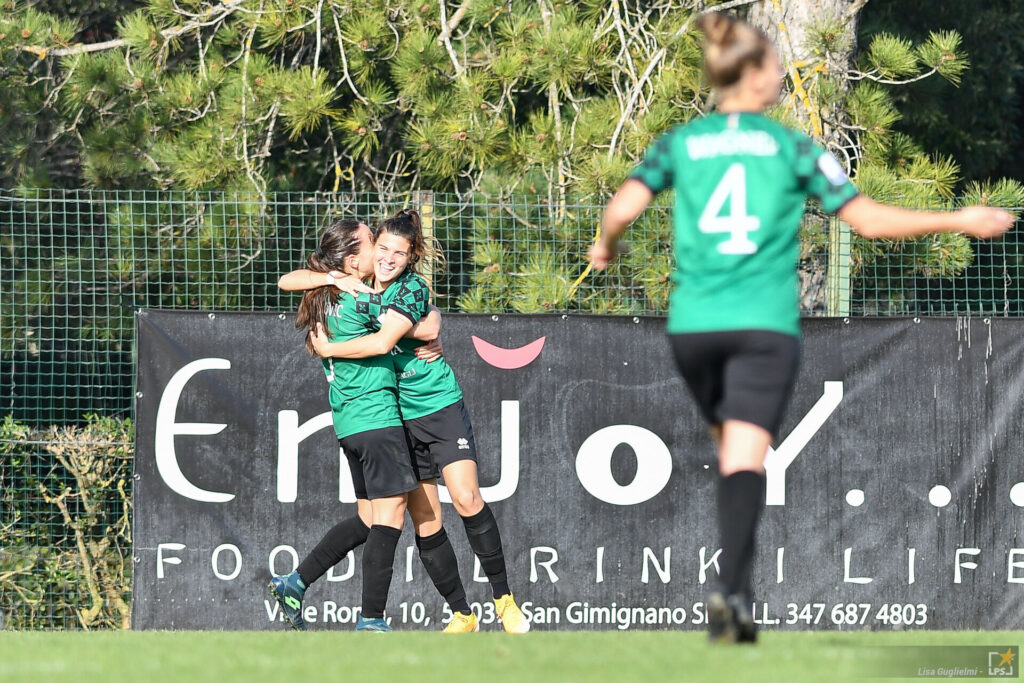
(428, 328)
(624, 208)
(874, 220)
(394, 327)
(304, 279)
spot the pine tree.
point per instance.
(491, 100)
(845, 98)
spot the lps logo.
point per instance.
(1001, 664)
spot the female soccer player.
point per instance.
(740, 182)
(367, 421)
(430, 399)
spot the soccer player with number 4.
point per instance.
(740, 184)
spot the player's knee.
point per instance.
(467, 502)
(423, 513)
(390, 515)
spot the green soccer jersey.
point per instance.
(741, 181)
(423, 388)
(363, 391)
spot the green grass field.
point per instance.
(345, 656)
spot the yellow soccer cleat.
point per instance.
(512, 618)
(462, 623)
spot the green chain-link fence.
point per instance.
(74, 265)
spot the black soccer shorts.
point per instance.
(441, 438)
(745, 375)
(380, 463)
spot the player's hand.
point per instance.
(430, 351)
(352, 285)
(318, 337)
(601, 255)
(985, 222)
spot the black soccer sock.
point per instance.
(747, 559)
(740, 499)
(485, 540)
(438, 558)
(332, 548)
(378, 565)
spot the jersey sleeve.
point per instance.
(657, 170)
(822, 176)
(412, 299)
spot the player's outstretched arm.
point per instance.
(874, 220)
(394, 327)
(303, 279)
(625, 207)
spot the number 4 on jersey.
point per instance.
(732, 189)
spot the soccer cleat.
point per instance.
(373, 625)
(462, 623)
(721, 621)
(743, 618)
(288, 591)
(512, 618)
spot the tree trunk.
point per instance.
(792, 25)
(789, 20)
(796, 27)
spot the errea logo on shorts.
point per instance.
(463, 444)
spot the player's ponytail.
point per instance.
(730, 46)
(339, 241)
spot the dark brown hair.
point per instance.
(339, 241)
(730, 46)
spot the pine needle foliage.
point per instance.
(483, 98)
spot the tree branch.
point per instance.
(42, 52)
(453, 23)
(445, 38)
(628, 110)
(870, 75)
(854, 8)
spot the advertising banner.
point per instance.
(894, 502)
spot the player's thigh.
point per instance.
(389, 510)
(700, 357)
(743, 447)
(758, 379)
(461, 478)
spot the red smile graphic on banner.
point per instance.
(508, 359)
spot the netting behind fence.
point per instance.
(75, 263)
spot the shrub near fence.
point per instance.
(75, 263)
(66, 559)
